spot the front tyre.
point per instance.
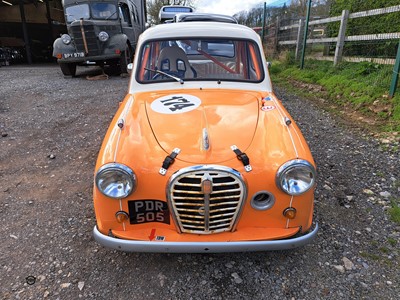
(125, 60)
(68, 69)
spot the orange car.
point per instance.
(201, 155)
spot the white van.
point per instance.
(168, 12)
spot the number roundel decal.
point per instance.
(175, 104)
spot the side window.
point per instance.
(124, 11)
(256, 71)
(135, 14)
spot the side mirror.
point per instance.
(129, 68)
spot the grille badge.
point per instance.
(206, 186)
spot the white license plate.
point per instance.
(74, 55)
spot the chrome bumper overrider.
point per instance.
(202, 247)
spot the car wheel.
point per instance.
(68, 69)
(125, 60)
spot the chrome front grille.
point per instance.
(91, 39)
(206, 199)
(90, 30)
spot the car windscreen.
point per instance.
(104, 11)
(77, 12)
(200, 59)
(96, 10)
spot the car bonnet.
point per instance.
(203, 124)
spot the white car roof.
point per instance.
(199, 29)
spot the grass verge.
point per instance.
(351, 90)
(357, 88)
(394, 212)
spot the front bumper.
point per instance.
(93, 59)
(202, 247)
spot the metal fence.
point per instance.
(331, 38)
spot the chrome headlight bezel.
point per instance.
(103, 36)
(115, 180)
(66, 39)
(293, 172)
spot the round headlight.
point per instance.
(115, 180)
(66, 39)
(103, 36)
(296, 177)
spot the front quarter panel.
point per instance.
(60, 48)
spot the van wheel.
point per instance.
(125, 60)
(68, 69)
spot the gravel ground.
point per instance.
(51, 129)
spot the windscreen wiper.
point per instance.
(111, 15)
(180, 80)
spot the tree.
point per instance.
(254, 17)
(154, 6)
(241, 17)
(298, 8)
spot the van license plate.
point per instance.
(74, 55)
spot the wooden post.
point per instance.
(300, 33)
(341, 37)
(49, 22)
(276, 42)
(25, 32)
